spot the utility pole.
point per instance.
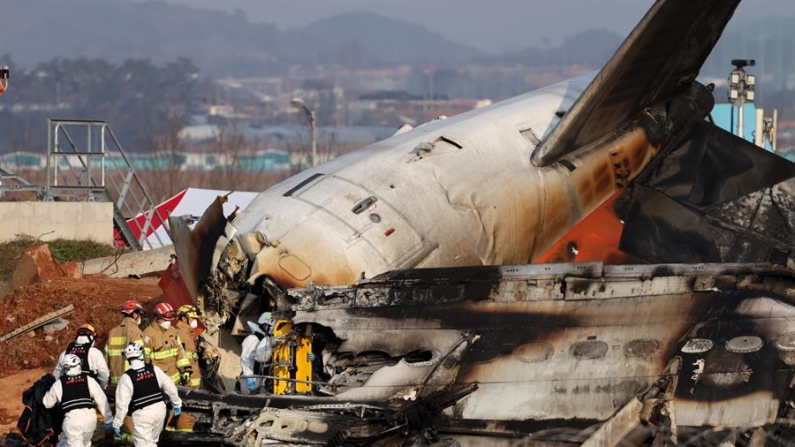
(299, 103)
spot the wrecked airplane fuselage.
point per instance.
(477, 354)
(542, 346)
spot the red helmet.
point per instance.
(130, 307)
(164, 311)
(87, 329)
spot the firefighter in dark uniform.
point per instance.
(78, 394)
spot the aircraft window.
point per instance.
(418, 356)
(697, 346)
(364, 204)
(534, 352)
(589, 349)
(641, 348)
(786, 342)
(744, 344)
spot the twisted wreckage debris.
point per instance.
(690, 340)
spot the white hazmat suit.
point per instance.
(79, 424)
(96, 363)
(254, 350)
(148, 421)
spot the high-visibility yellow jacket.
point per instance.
(189, 343)
(163, 348)
(118, 338)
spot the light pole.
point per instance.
(741, 89)
(299, 103)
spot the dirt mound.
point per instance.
(96, 299)
(36, 265)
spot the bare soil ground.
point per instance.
(11, 388)
(97, 300)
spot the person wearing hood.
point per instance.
(141, 392)
(128, 331)
(255, 353)
(78, 393)
(91, 358)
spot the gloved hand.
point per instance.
(251, 384)
(185, 376)
(311, 357)
(117, 433)
(177, 411)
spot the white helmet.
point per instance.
(133, 351)
(265, 318)
(71, 361)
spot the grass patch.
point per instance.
(62, 250)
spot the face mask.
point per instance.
(194, 323)
(83, 340)
(165, 324)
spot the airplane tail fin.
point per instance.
(659, 59)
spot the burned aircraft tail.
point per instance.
(707, 190)
(712, 198)
(659, 60)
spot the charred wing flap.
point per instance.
(660, 58)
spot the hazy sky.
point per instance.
(491, 25)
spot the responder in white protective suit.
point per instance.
(140, 391)
(92, 358)
(256, 352)
(78, 394)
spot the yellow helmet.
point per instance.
(188, 310)
(282, 327)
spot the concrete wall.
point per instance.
(142, 263)
(57, 220)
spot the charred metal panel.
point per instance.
(585, 289)
(713, 166)
(194, 248)
(712, 198)
(546, 358)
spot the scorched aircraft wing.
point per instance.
(495, 351)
